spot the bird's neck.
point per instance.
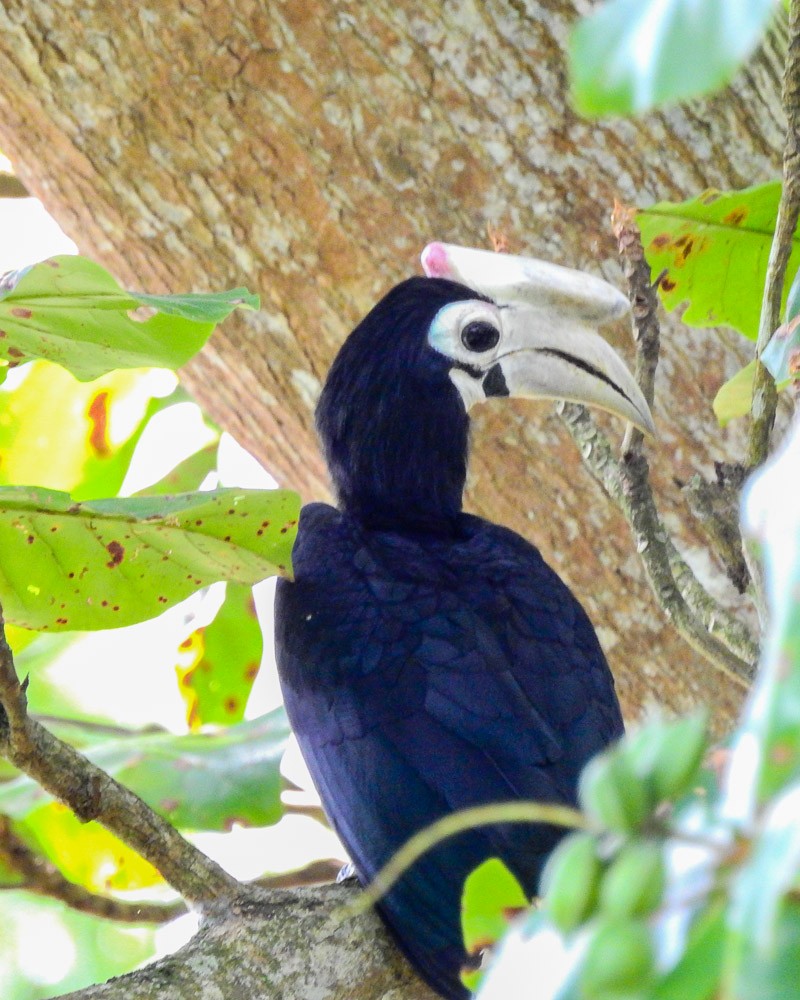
(402, 465)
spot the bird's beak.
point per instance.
(549, 347)
(547, 355)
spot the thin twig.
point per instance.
(627, 484)
(707, 626)
(314, 873)
(644, 306)
(715, 507)
(42, 877)
(765, 398)
(94, 795)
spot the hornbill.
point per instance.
(431, 660)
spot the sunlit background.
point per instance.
(127, 677)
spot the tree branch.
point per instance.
(715, 506)
(94, 795)
(765, 398)
(626, 483)
(278, 945)
(706, 625)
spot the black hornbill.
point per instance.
(431, 660)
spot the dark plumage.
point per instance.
(430, 660)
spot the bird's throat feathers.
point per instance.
(392, 424)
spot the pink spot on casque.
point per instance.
(434, 261)
(21, 313)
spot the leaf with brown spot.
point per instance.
(87, 455)
(167, 555)
(490, 896)
(713, 251)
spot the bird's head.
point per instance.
(392, 416)
(535, 336)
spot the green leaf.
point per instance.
(198, 782)
(107, 563)
(71, 311)
(224, 658)
(632, 55)
(492, 896)
(713, 252)
(735, 397)
(209, 307)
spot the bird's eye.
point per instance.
(479, 336)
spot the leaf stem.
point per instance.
(459, 822)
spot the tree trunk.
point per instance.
(309, 150)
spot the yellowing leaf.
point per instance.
(75, 436)
(221, 662)
(736, 395)
(86, 853)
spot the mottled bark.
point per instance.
(309, 150)
(280, 945)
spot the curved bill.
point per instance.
(543, 359)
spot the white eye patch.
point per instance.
(470, 332)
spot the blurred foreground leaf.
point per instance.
(633, 55)
(47, 950)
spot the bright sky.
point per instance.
(28, 234)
